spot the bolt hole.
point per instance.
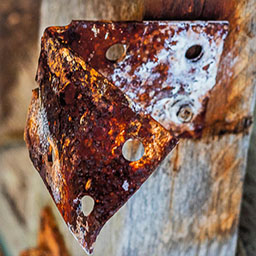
(185, 114)
(133, 150)
(87, 205)
(194, 53)
(116, 52)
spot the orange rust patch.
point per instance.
(88, 184)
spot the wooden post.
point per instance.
(191, 204)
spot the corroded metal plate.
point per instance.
(156, 71)
(77, 124)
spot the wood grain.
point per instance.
(189, 9)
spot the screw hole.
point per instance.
(87, 205)
(194, 53)
(133, 150)
(116, 52)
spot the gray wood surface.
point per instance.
(191, 211)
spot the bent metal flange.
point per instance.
(90, 103)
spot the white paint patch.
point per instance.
(95, 30)
(41, 127)
(125, 185)
(194, 79)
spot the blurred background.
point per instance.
(22, 193)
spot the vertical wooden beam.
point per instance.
(191, 204)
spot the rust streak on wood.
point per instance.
(235, 84)
(50, 240)
(189, 9)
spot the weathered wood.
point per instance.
(189, 9)
(247, 226)
(184, 212)
(190, 205)
(61, 13)
(18, 60)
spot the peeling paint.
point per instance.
(155, 73)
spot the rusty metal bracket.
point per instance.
(167, 69)
(103, 85)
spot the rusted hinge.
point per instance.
(113, 100)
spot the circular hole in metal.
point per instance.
(116, 52)
(87, 205)
(133, 150)
(194, 53)
(185, 114)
